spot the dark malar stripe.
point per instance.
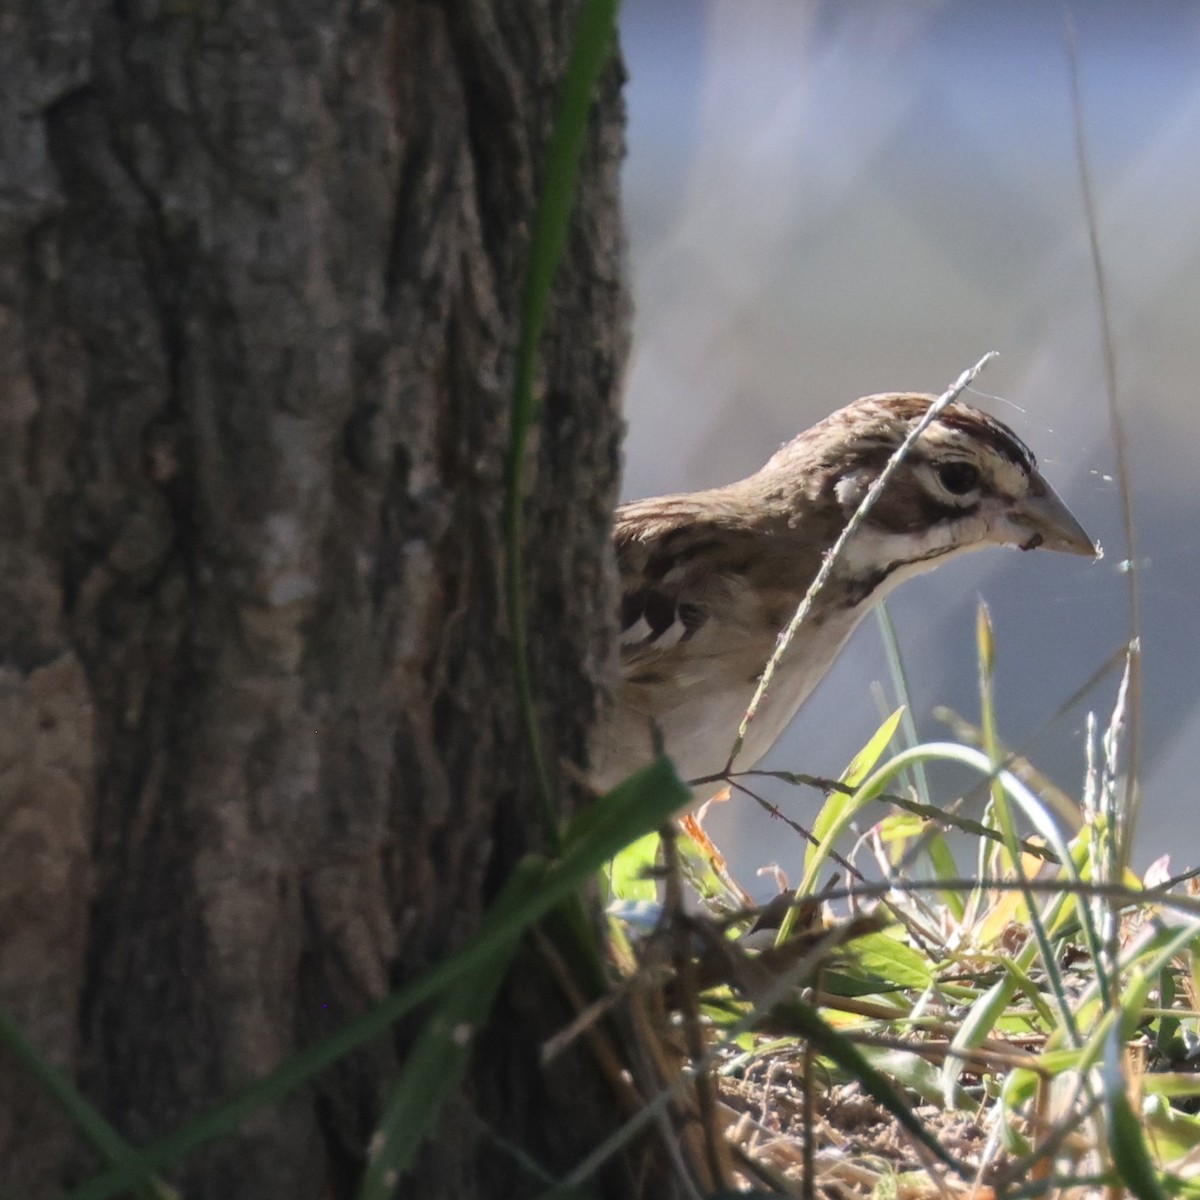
(856, 591)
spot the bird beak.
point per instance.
(1041, 519)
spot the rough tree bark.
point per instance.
(260, 759)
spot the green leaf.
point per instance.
(1174, 1134)
(863, 763)
(840, 809)
(910, 1070)
(980, 1021)
(1130, 1154)
(893, 960)
(630, 877)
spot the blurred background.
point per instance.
(831, 199)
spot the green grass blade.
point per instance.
(440, 1054)
(991, 860)
(910, 1070)
(863, 763)
(437, 1060)
(1002, 809)
(431, 1072)
(908, 726)
(636, 806)
(103, 1137)
(841, 808)
(591, 50)
(978, 1024)
(1127, 1142)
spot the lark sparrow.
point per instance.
(709, 579)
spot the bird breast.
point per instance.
(695, 709)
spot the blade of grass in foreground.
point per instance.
(1127, 1141)
(592, 48)
(633, 808)
(437, 1060)
(841, 808)
(908, 726)
(103, 1137)
(935, 846)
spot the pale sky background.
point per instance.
(832, 199)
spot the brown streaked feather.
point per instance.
(870, 429)
(689, 563)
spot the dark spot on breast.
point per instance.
(659, 611)
(632, 604)
(692, 616)
(656, 608)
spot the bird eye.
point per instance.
(958, 477)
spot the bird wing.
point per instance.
(683, 567)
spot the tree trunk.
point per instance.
(260, 756)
